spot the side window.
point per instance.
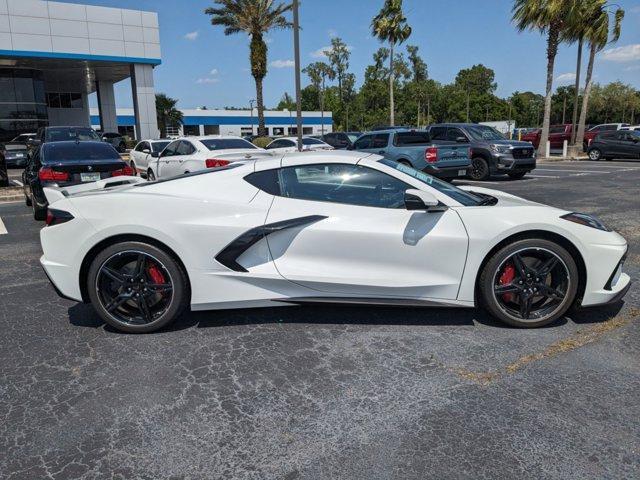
(275, 144)
(380, 140)
(557, 129)
(141, 146)
(185, 148)
(604, 128)
(363, 142)
(340, 183)
(266, 180)
(170, 151)
(438, 133)
(454, 133)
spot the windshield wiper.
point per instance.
(488, 200)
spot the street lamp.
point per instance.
(251, 110)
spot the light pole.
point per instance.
(296, 55)
(251, 109)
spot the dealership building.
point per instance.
(54, 54)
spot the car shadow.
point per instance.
(83, 315)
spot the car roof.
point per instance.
(211, 137)
(394, 130)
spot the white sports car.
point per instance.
(322, 227)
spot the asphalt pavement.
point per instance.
(325, 392)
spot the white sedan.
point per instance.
(190, 154)
(318, 228)
(144, 153)
(290, 144)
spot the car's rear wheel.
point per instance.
(151, 176)
(27, 200)
(479, 169)
(595, 154)
(39, 213)
(529, 283)
(516, 175)
(136, 287)
(133, 167)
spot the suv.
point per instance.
(590, 134)
(414, 148)
(116, 140)
(340, 140)
(615, 144)
(491, 152)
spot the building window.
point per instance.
(23, 107)
(64, 100)
(173, 131)
(246, 131)
(191, 130)
(307, 130)
(212, 129)
(277, 131)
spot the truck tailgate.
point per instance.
(450, 156)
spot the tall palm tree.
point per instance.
(255, 18)
(390, 25)
(597, 34)
(167, 113)
(318, 73)
(553, 18)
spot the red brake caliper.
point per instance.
(506, 277)
(156, 275)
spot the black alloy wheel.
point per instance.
(479, 169)
(530, 283)
(136, 287)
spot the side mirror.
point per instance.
(146, 150)
(462, 140)
(415, 199)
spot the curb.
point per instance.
(11, 194)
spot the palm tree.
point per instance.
(597, 34)
(553, 18)
(255, 18)
(318, 73)
(167, 113)
(390, 25)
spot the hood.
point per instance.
(504, 199)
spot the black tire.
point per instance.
(595, 154)
(151, 176)
(133, 167)
(517, 175)
(479, 169)
(39, 213)
(27, 200)
(503, 309)
(102, 286)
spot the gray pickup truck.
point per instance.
(415, 148)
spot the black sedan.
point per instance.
(62, 164)
(15, 154)
(616, 144)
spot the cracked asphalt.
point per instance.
(324, 392)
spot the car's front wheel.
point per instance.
(529, 283)
(479, 169)
(151, 176)
(134, 169)
(136, 287)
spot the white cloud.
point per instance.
(214, 71)
(566, 78)
(628, 53)
(332, 33)
(282, 64)
(205, 80)
(191, 35)
(632, 68)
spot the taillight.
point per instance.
(431, 154)
(216, 162)
(124, 171)
(56, 217)
(48, 174)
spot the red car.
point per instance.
(557, 135)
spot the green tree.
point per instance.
(287, 102)
(318, 73)
(390, 25)
(255, 18)
(553, 18)
(597, 35)
(338, 57)
(166, 113)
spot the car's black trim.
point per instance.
(228, 255)
(607, 285)
(389, 302)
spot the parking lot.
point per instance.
(325, 392)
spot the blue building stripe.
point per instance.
(79, 56)
(129, 120)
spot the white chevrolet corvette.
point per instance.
(322, 227)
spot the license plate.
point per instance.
(19, 155)
(462, 173)
(90, 177)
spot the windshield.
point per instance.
(353, 136)
(65, 133)
(159, 146)
(73, 152)
(464, 198)
(226, 143)
(483, 132)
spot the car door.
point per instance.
(140, 157)
(353, 236)
(363, 143)
(164, 166)
(629, 146)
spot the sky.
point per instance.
(203, 67)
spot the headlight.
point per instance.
(586, 220)
(497, 148)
